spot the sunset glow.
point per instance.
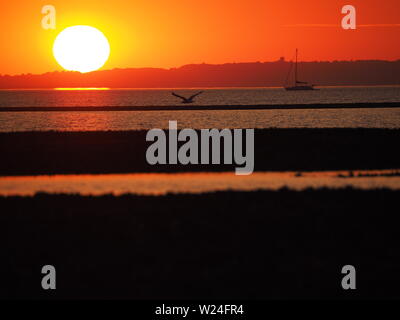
(169, 34)
(176, 154)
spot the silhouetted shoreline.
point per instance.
(252, 74)
(226, 245)
(33, 153)
(363, 105)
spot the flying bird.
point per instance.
(187, 100)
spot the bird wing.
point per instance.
(177, 95)
(195, 95)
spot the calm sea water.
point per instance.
(81, 121)
(163, 97)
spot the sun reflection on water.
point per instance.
(79, 89)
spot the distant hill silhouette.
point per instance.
(258, 74)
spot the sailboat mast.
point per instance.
(295, 70)
(298, 85)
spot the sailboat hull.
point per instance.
(299, 88)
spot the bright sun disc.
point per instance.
(81, 48)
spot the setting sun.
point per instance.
(81, 48)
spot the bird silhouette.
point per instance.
(187, 100)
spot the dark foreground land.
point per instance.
(31, 153)
(256, 245)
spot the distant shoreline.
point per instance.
(245, 74)
(363, 105)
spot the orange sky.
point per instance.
(171, 33)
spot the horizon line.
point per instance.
(188, 88)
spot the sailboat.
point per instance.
(298, 85)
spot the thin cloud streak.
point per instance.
(390, 25)
(315, 25)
